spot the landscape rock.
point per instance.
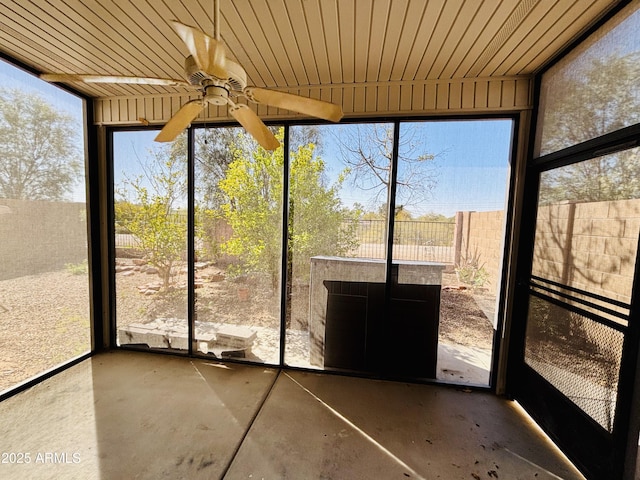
(124, 268)
(215, 277)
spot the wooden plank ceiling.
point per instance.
(289, 44)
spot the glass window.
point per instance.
(452, 179)
(594, 89)
(44, 287)
(238, 211)
(449, 217)
(338, 195)
(150, 215)
(451, 184)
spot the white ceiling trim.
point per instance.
(459, 96)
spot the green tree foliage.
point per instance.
(213, 154)
(124, 213)
(147, 208)
(601, 98)
(318, 223)
(436, 217)
(253, 189)
(40, 159)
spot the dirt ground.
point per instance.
(219, 300)
(462, 321)
(44, 321)
(44, 318)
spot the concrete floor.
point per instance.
(126, 415)
(463, 365)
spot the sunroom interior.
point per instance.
(427, 271)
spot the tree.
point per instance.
(213, 154)
(435, 217)
(306, 134)
(318, 223)
(367, 151)
(584, 104)
(253, 189)
(147, 207)
(213, 147)
(40, 159)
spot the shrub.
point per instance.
(81, 268)
(471, 272)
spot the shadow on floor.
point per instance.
(136, 415)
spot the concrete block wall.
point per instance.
(40, 236)
(591, 246)
(480, 236)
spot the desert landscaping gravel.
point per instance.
(44, 319)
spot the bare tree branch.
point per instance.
(367, 152)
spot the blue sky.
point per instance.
(472, 155)
(12, 77)
(472, 160)
(472, 163)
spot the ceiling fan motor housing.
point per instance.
(236, 79)
(193, 74)
(237, 76)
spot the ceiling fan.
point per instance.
(221, 81)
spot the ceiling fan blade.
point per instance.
(72, 77)
(296, 103)
(180, 121)
(209, 54)
(252, 124)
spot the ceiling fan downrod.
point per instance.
(216, 20)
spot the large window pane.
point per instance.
(448, 225)
(150, 189)
(44, 296)
(338, 182)
(239, 193)
(337, 313)
(593, 90)
(447, 244)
